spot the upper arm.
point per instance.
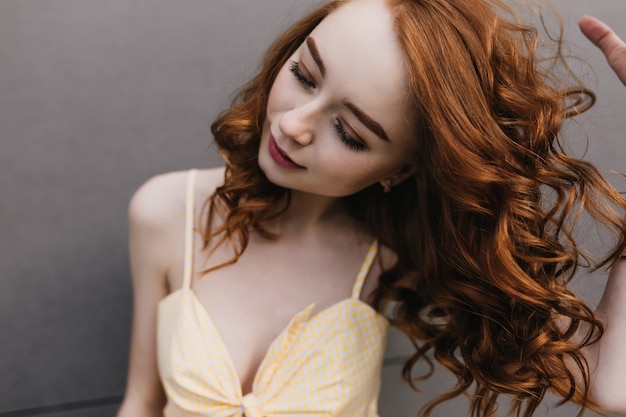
(153, 214)
(607, 358)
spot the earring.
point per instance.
(386, 185)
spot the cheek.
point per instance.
(353, 171)
(278, 97)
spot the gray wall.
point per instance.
(97, 96)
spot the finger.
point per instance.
(599, 33)
(609, 43)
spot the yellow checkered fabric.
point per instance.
(327, 364)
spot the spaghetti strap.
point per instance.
(365, 268)
(189, 213)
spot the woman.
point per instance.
(388, 151)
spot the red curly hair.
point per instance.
(483, 229)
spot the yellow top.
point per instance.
(328, 364)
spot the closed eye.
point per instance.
(303, 79)
(348, 140)
(309, 84)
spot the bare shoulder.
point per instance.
(152, 217)
(387, 257)
(157, 199)
(156, 212)
(208, 180)
(162, 198)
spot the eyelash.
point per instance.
(303, 79)
(339, 128)
(347, 139)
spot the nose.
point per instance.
(299, 123)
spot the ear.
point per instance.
(402, 173)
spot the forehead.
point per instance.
(364, 61)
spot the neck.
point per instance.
(307, 212)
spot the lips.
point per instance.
(280, 157)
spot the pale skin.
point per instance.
(320, 247)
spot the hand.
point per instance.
(610, 44)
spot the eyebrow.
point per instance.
(316, 55)
(366, 120)
(358, 113)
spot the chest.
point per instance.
(253, 300)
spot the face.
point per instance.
(337, 112)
